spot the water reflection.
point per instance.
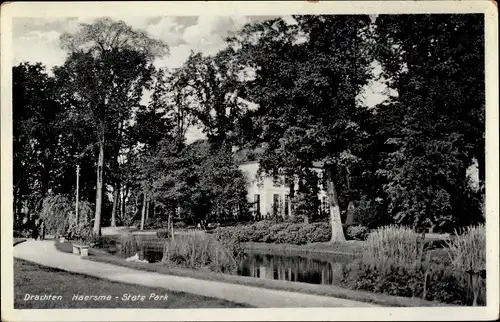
(291, 268)
(279, 267)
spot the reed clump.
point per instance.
(393, 246)
(199, 251)
(467, 251)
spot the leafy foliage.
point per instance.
(437, 69)
(441, 284)
(58, 214)
(357, 232)
(291, 90)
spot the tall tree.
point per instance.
(110, 63)
(213, 87)
(39, 158)
(307, 79)
(436, 64)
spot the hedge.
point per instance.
(282, 233)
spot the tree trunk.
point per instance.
(14, 204)
(143, 214)
(291, 194)
(98, 198)
(45, 175)
(349, 220)
(116, 193)
(147, 209)
(335, 220)
(169, 225)
(119, 208)
(123, 203)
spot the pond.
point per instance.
(281, 267)
(292, 268)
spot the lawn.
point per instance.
(325, 290)
(31, 278)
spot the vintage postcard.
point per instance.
(233, 161)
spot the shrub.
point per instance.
(164, 233)
(357, 232)
(393, 263)
(321, 233)
(180, 225)
(22, 233)
(282, 233)
(441, 284)
(199, 251)
(82, 232)
(58, 214)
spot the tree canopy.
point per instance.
(286, 94)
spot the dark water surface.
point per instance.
(292, 268)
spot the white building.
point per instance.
(270, 196)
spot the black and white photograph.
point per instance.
(234, 160)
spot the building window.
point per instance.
(256, 205)
(276, 204)
(287, 205)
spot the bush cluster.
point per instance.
(280, 233)
(81, 232)
(357, 232)
(441, 283)
(395, 261)
(163, 233)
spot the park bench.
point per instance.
(82, 250)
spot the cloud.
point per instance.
(178, 55)
(208, 34)
(39, 46)
(41, 36)
(167, 30)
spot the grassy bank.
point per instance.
(34, 279)
(325, 290)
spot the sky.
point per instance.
(37, 40)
